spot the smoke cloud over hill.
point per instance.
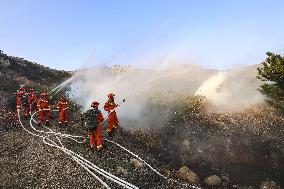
(229, 90)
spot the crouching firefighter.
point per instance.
(91, 121)
(62, 106)
(113, 122)
(43, 109)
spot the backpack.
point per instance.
(89, 119)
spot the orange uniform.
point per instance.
(62, 106)
(110, 106)
(31, 103)
(44, 109)
(96, 135)
(19, 94)
(91, 120)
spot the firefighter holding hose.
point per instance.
(43, 109)
(113, 122)
(91, 121)
(62, 106)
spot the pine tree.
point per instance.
(271, 72)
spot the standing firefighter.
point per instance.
(19, 95)
(113, 122)
(91, 121)
(43, 109)
(31, 103)
(62, 106)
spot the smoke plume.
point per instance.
(224, 90)
(231, 90)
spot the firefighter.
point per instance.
(91, 121)
(113, 122)
(19, 95)
(43, 109)
(62, 106)
(31, 104)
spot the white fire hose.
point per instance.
(79, 161)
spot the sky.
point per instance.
(65, 34)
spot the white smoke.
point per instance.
(231, 90)
(226, 90)
(210, 86)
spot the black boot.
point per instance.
(110, 134)
(92, 149)
(47, 123)
(114, 132)
(99, 151)
(66, 124)
(60, 125)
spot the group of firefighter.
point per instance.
(90, 120)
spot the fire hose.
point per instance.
(136, 156)
(80, 160)
(72, 138)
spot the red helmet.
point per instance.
(111, 95)
(95, 104)
(22, 89)
(43, 95)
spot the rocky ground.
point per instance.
(209, 150)
(28, 163)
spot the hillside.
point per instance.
(173, 129)
(15, 71)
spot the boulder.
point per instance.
(213, 180)
(186, 174)
(136, 163)
(269, 185)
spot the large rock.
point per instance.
(269, 185)
(186, 174)
(136, 163)
(213, 180)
